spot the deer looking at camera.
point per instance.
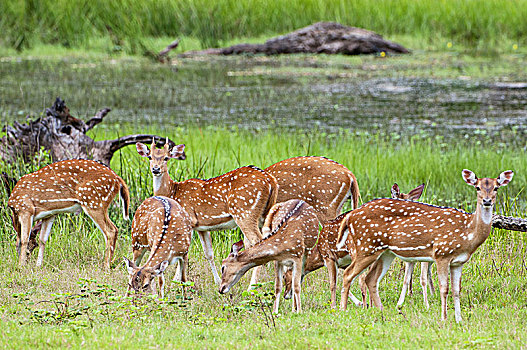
(241, 197)
(162, 224)
(385, 228)
(328, 254)
(292, 231)
(320, 182)
(65, 187)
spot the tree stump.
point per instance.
(64, 136)
(321, 37)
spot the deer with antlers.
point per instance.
(326, 253)
(162, 224)
(241, 197)
(320, 182)
(292, 228)
(62, 187)
(387, 228)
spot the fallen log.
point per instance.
(64, 136)
(321, 37)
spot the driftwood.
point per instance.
(322, 37)
(64, 136)
(509, 223)
(162, 56)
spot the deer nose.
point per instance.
(487, 202)
(223, 289)
(156, 170)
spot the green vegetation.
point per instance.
(71, 301)
(130, 25)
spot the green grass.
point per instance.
(494, 300)
(128, 24)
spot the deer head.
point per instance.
(141, 280)
(413, 195)
(159, 157)
(487, 188)
(232, 269)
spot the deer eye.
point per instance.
(222, 269)
(146, 286)
(149, 157)
(166, 159)
(495, 189)
(478, 188)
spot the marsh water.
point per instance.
(263, 94)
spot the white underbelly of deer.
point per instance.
(46, 214)
(413, 258)
(228, 225)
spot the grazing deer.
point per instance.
(63, 187)
(328, 254)
(320, 182)
(162, 224)
(292, 229)
(240, 198)
(385, 228)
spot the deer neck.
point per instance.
(482, 222)
(163, 185)
(258, 254)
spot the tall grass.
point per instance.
(127, 22)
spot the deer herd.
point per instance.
(288, 213)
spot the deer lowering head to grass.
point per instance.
(320, 182)
(241, 197)
(162, 225)
(385, 228)
(292, 228)
(326, 253)
(61, 187)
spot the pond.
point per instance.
(301, 93)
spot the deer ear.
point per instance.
(236, 247)
(130, 265)
(395, 190)
(159, 269)
(416, 192)
(178, 152)
(469, 177)
(142, 149)
(505, 177)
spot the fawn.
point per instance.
(292, 228)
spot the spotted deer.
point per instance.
(162, 225)
(241, 197)
(320, 182)
(292, 228)
(385, 228)
(62, 187)
(326, 253)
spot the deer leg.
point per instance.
(161, 283)
(442, 274)
(105, 225)
(363, 288)
(44, 235)
(206, 243)
(297, 286)
(373, 285)
(455, 275)
(25, 230)
(288, 282)
(430, 279)
(252, 236)
(279, 272)
(424, 281)
(357, 266)
(408, 271)
(332, 273)
(138, 255)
